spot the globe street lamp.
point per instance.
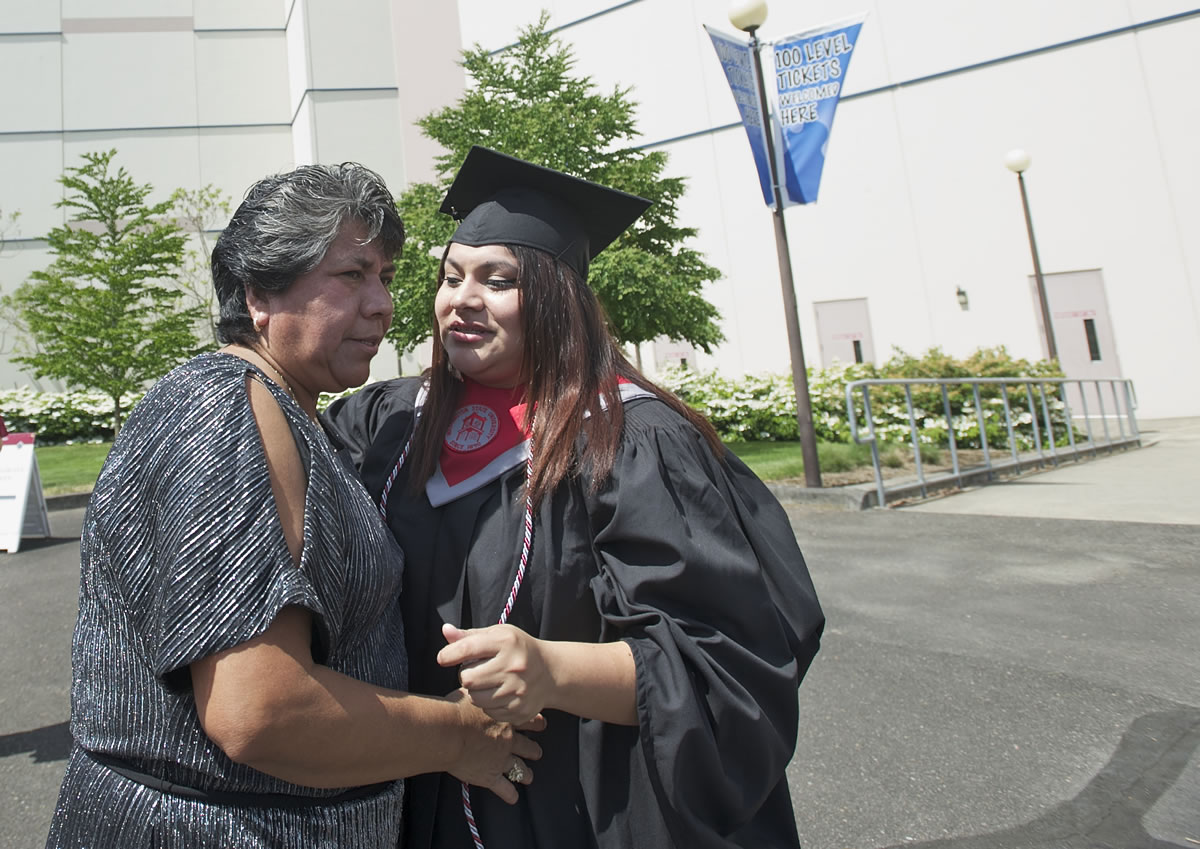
(1018, 162)
(748, 16)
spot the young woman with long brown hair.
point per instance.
(580, 544)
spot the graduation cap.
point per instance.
(502, 200)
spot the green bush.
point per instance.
(888, 403)
(750, 409)
(763, 407)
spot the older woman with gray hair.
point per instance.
(239, 668)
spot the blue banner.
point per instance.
(738, 64)
(810, 69)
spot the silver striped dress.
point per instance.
(183, 555)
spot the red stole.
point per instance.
(486, 438)
(487, 424)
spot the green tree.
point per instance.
(198, 211)
(102, 315)
(525, 102)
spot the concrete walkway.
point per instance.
(1159, 483)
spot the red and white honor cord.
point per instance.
(522, 564)
(387, 485)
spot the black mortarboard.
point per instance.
(502, 200)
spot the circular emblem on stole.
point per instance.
(474, 426)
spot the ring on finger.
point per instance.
(516, 773)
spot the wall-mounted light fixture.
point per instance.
(961, 295)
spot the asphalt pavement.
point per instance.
(1010, 667)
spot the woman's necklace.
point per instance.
(283, 382)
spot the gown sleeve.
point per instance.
(691, 554)
(222, 566)
(373, 425)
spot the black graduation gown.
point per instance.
(688, 559)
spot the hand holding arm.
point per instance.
(268, 705)
(514, 676)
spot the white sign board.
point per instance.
(22, 504)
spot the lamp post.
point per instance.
(1018, 162)
(748, 16)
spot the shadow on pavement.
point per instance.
(34, 543)
(1109, 811)
(51, 743)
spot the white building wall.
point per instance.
(915, 201)
(154, 66)
(429, 78)
(230, 15)
(241, 78)
(191, 93)
(35, 60)
(298, 51)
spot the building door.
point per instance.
(844, 331)
(1083, 334)
(673, 353)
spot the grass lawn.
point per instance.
(73, 468)
(777, 460)
(70, 468)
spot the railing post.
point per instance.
(950, 433)
(1048, 422)
(1062, 389)
(852, 418)
(1129, 403)
(1087, 417)
(1103, 416)
(874, 446)
(916, 442)
(1112, 385)
(983, 437)
(1012, 437)
(1037, 432)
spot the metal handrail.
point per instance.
(1043, 433)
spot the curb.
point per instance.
(858, 496)
(69, 501)
(909, 489)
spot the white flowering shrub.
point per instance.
(759, 408)
(58, 417)
(763, 407)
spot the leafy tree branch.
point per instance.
(526, 102)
